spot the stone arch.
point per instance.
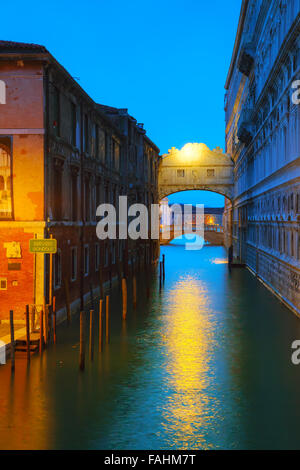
(222, 191)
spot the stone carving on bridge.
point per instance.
(195, 166)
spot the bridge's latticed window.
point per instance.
(5, 179)
(180, 173)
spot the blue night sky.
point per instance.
(166, 61)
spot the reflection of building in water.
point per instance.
(5, 179)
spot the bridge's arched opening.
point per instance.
(216, 207)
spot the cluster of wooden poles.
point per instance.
(82, 342)
(47, 319)
(92, 331)
(47, 322)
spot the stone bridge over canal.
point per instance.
(195, 166)
(213, 234)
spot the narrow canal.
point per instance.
(205, 364)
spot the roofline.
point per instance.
(23, 47)
(243, 12)
(153, 145)
(117, 110)
(49, 59)
(88, 97)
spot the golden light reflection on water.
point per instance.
(24, 410)
(219, 261)
(188, 340)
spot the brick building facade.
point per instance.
(61, 155)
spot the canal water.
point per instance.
(203, 364)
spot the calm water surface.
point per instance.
(205, 364)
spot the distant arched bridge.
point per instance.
(213, 234)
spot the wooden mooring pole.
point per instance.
(124, 298)
(54, 319)
(46, 325)
(107, 319)
(160, 275)
(41, 331)
(27, 333)
(163, 266)
(12, 339)
(91, 335)
(32, 318)
(82, 341)
(100, 326)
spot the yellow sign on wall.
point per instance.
(38, 245)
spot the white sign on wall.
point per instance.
(2, 353)
(2, 92)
